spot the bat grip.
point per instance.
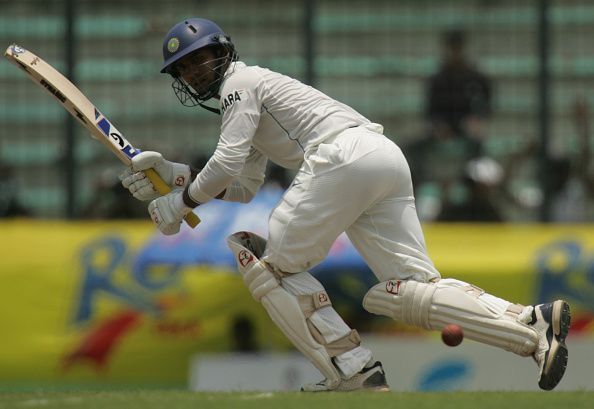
(163, 188)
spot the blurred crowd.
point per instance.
(454, 177)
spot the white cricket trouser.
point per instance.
(358, 182)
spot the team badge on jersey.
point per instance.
(232, 98)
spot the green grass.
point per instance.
(146, 399)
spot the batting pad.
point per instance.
(282, 307)
(483, 317)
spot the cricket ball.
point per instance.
(452, 335)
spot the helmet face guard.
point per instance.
(186, 38)
(214, 68)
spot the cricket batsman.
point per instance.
(349, 178)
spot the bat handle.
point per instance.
(163, 189)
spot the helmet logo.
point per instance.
(173, 44)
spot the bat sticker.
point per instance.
(17, 50)
(105, 127)
(53, 90)
(80, 116)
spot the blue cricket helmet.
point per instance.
(191, 35)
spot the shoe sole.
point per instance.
(375, 382)
(374, 389)
(378, 389)
(557, 356)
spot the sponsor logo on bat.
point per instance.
(107, 130)
(17, 50)
(80, 116)
(53, 90)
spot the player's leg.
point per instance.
(537, 331)
(329, 194)
(354, 362)
(283, 308)
(337, 183)
(389, 236)
(301, 308)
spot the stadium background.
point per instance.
(89, 300)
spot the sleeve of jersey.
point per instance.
(240, 106)
(245, 186)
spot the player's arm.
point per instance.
(240, 104)
(235, 167)
(244, 187)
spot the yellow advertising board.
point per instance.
(90, 303)
(523, 263)
(74, 310)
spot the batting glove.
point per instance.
(168, 211)
(135, 180)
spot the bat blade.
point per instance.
(79, 106)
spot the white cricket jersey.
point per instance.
(267, 115)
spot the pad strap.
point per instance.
(309, 305)
(345, 344)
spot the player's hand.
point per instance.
(168, 211)
(135, 180)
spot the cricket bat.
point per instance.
(75, 102)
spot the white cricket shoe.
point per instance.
(551, 321)
(371, 378)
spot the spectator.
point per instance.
(458, 102)
(458, 95)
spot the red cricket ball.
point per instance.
(452, 335)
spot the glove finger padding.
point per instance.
(139, 185)
(168, 211)
(125, 177)
(167, 229)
